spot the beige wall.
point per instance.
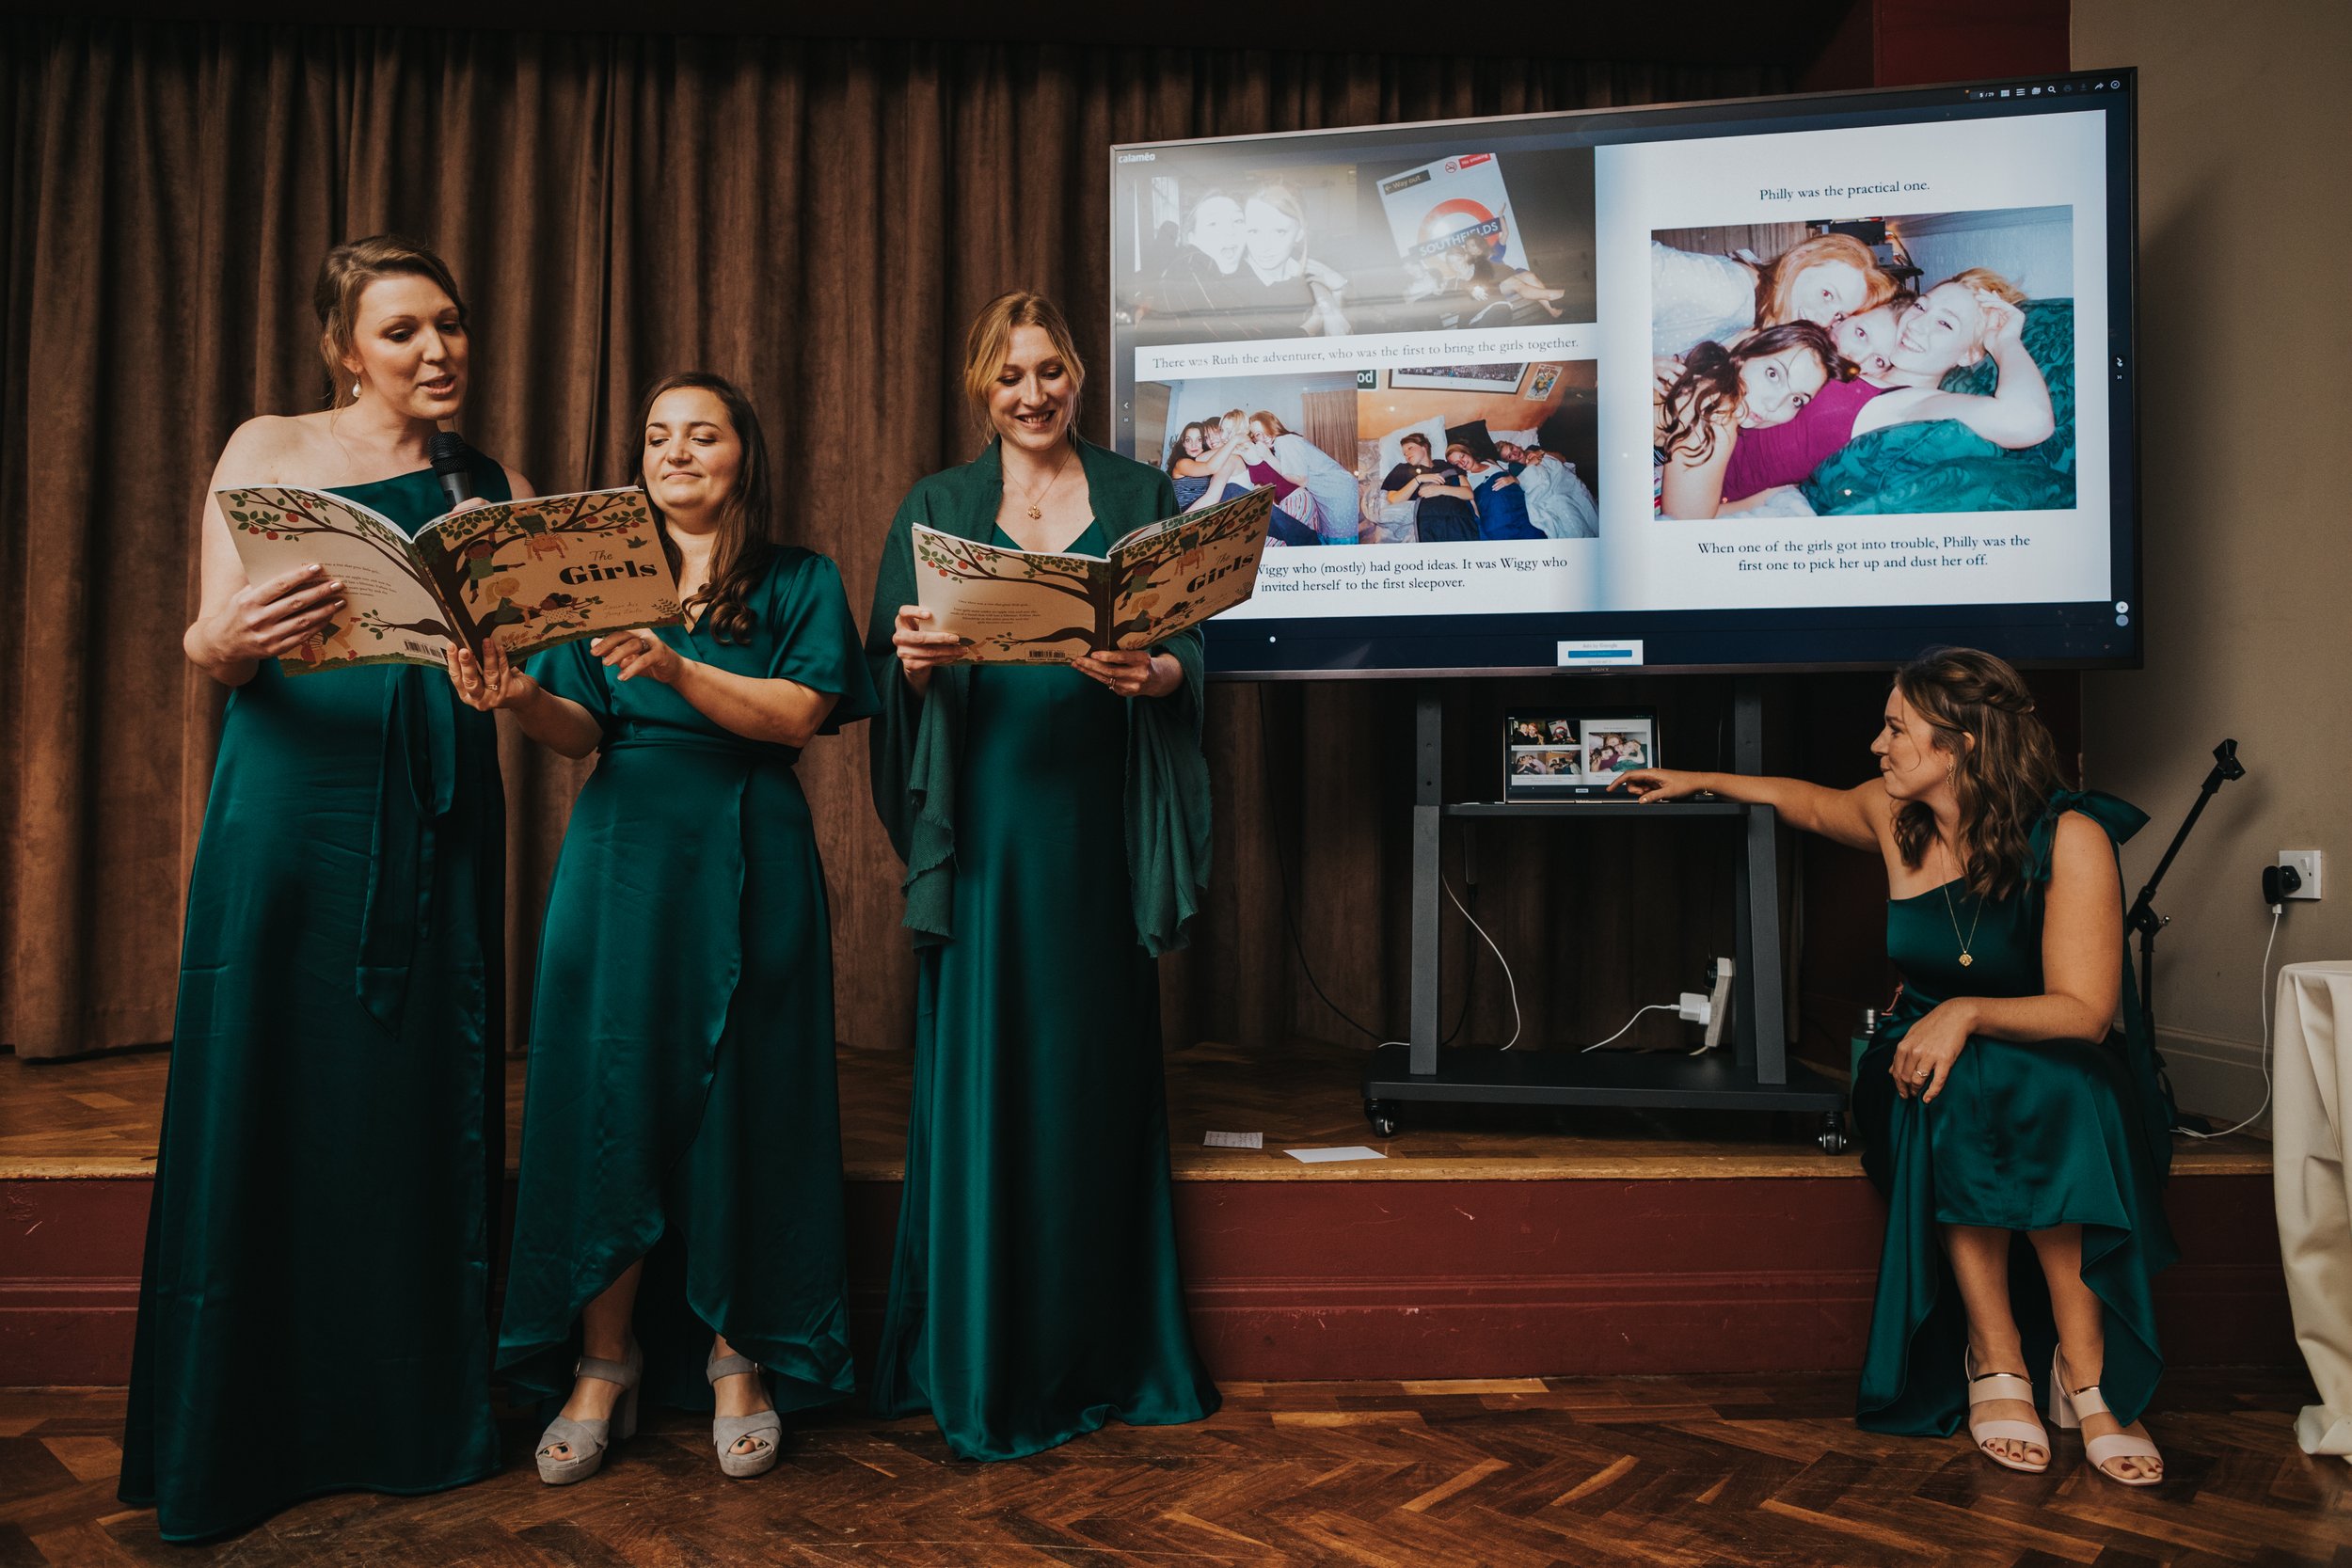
(2245, 379)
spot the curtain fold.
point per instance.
(815, 219)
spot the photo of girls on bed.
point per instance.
(1213, 248)
(1446, 464)
(1220, 436)
(1386, 458)
(1913, 364)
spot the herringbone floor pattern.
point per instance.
(1512, 1474)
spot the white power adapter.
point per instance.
(1696, 1007)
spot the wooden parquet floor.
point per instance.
(100, 1116)
(1511, 1474)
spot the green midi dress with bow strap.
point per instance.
(2024, 1136)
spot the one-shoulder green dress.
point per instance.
(2023, 1137)
(314, 1311)
(680, 1105)
(1054, 836)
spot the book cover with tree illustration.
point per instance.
(527, 573)
(1037, 607)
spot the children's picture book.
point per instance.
(527, 573)
(1032, 607)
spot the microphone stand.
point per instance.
(2143, 917)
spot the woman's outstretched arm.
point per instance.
(1858, 819)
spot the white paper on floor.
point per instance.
(1234, 1140)
(1324, 1156)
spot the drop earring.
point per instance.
(355, 390)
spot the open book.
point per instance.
(1031, 607)
(527, 573)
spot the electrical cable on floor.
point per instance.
(2278, 912)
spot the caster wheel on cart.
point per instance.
(1382, 1114)
(1833, 1138)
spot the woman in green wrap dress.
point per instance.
(1055, 824)
(1995, 1102)
(679, 1214)
(315, 1308)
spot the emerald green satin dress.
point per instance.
(680, 1105)
(1035, 1292)
(315, 1308)
(2023, 1137)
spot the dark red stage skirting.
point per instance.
(1387, 1278)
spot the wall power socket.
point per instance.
(2306, 863)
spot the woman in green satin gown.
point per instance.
(682, 1158)
(1054, 821)
(315, 1310)
(1996, 1104)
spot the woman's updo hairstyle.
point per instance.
(990, 339)
(344, 276)
(2003, 782)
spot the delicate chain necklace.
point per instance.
(1969, 941)
(1037, 500)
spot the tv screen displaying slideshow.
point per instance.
(1781, 383)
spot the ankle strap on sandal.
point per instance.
(729, 1366)
(612, 1372)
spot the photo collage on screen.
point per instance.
(1231, 267)
(1561, 754)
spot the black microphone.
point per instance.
(448, 450)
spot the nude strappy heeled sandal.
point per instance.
(2068, 1406)
(763, 1427)
(590, 1441)
(2002, 1385)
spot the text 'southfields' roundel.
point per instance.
(1452, 217)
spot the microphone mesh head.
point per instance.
(447, 449)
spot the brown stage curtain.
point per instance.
(815, 219)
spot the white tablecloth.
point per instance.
(2311, 1045)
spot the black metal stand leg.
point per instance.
(1428, 821)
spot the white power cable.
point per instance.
(2278, 912)
(1516, 1023)
(1652, 1007)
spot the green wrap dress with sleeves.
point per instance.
(1056, 837)
(2024, 1136)
(315, 1306)
(680, 1105)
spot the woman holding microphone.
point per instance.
(678, 1223)
(314, 1313)
(1055, 824)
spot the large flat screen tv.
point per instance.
(1780, 383)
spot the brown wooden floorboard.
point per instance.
(100, 1116)
(1510, 1473)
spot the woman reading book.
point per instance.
(1055, 824)
(677, 1229)
(313, 1315)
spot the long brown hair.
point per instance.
(1709, 384)
(344, 274)
(2003, 782)
(747, 534)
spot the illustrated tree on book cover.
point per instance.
(295, 518)
(970, 562)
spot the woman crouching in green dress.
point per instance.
(1054, 824)
(1996, 1103)
(681, 1159)
(314, 1313)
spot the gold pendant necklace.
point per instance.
(1036, 501)
(1970, 940)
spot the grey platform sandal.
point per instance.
(764, 1428)
(590, 1441)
